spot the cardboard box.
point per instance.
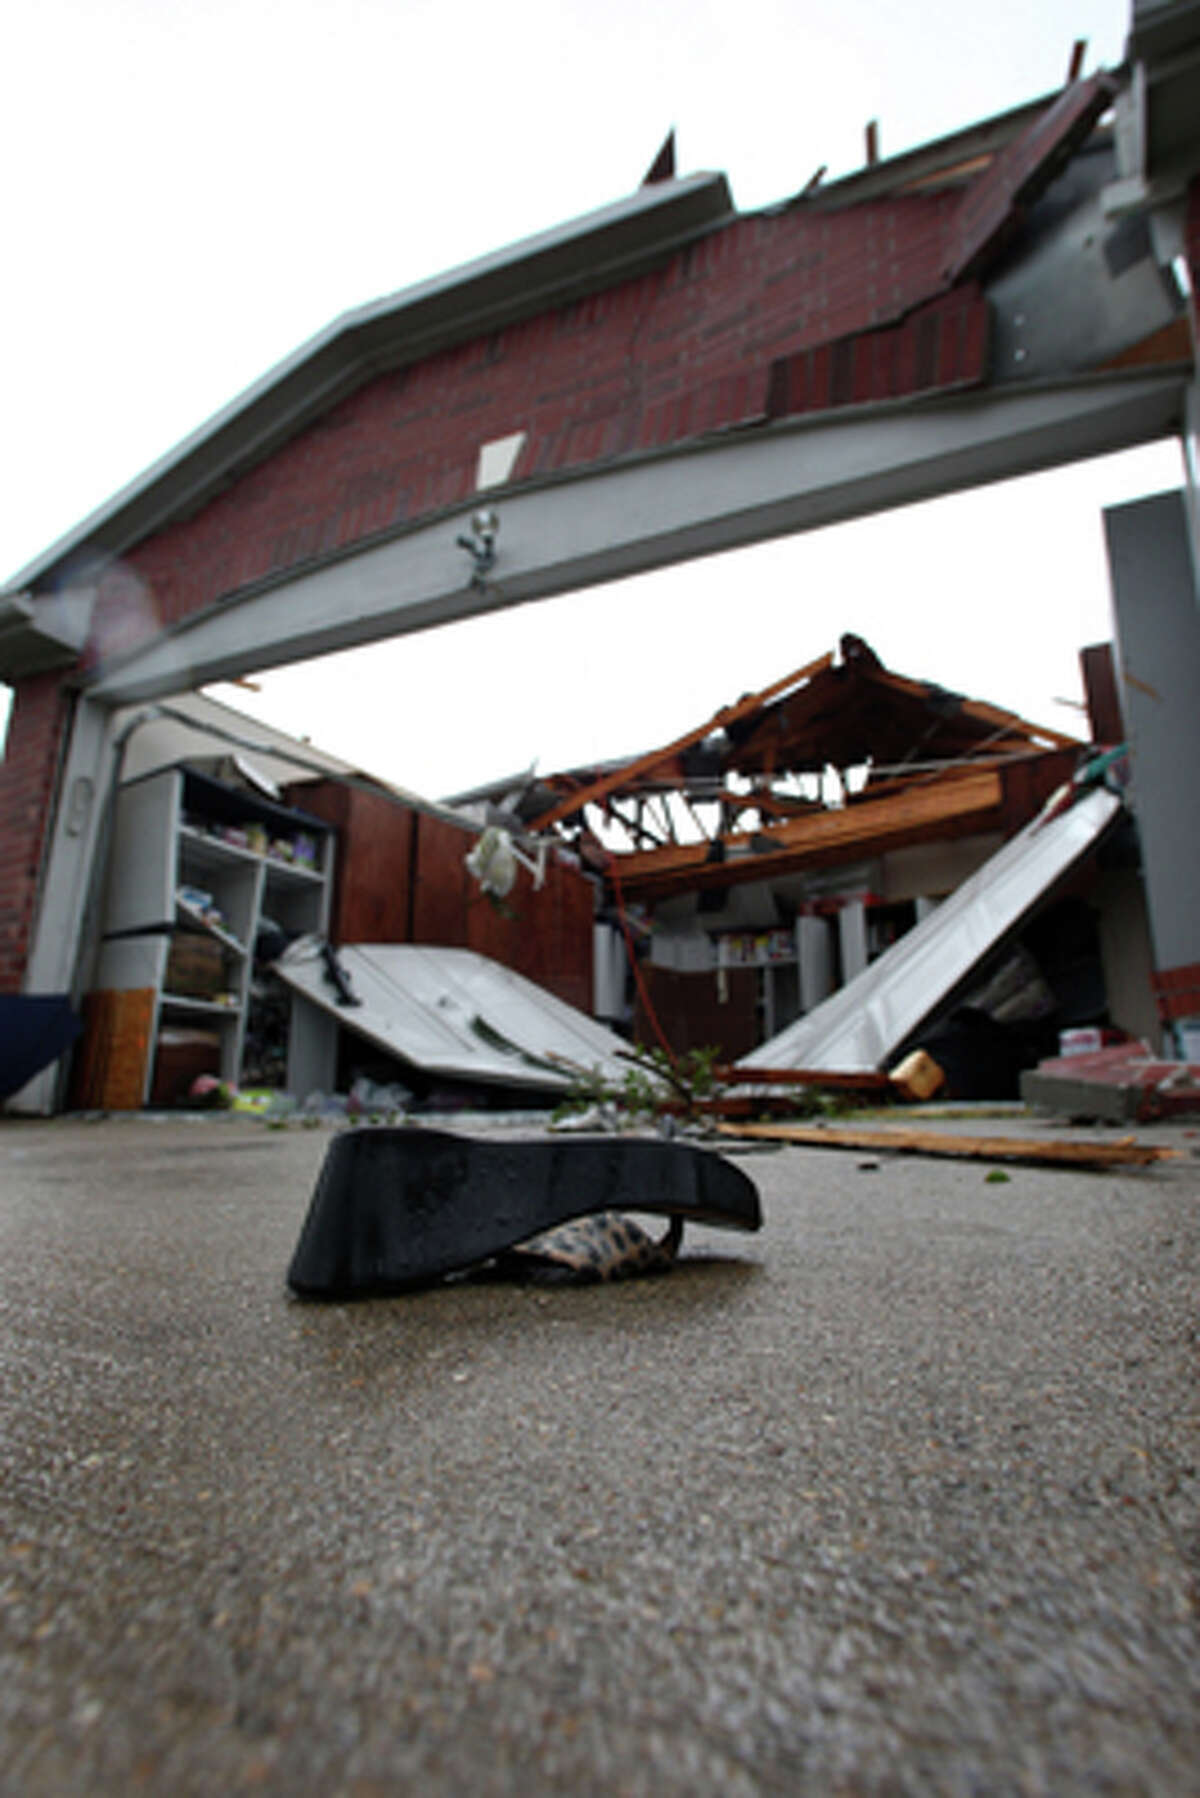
(195, 966)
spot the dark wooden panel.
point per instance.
(693, 1015)
(371, 882)
(400, 877)
(1029, 782)
(1103, 697)
(439, 912)
(545, 935)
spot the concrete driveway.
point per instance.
(897, 1497)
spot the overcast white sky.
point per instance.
(192, 190)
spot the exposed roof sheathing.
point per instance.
(1021, 171)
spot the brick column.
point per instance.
(28, 775)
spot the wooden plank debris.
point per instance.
(866, 1081)
(917, 1077)
(968, 799)
(1121, 1151)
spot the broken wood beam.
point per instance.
(867, 1081)
(966, 800)
(753, 1106)
(1122, 1151)
(1021, 729)
(616, 778)
(917, 1077)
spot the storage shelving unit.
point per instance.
(196, 867)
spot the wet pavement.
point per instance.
(899, 1496)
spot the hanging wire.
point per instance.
(639, 982)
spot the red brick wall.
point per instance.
(27, 779)
(645, 364)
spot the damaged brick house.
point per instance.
(1015, 295)
(705, 894)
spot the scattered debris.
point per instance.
(606, 1246)
(208, 1093)
(1120, 1152)
(918, 1077)
(757, 818)
(652, 1084)
(1123, 1083)
(778, 846)
(860, 1083)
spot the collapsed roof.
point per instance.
(744, 795)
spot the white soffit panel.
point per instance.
(859, 1027)
(455, 1013)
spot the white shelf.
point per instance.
(201, 850)
(157, 850)
(206, 926)
(211, 1008)
(292, 872)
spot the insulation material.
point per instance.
(455, 1013)
(862, 1026)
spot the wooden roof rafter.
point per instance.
(970, 800)
(935, 763)
(621, 778)
(1023, 732)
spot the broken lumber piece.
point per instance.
(833, 1080)
(1122, 1151)
(917, 1077)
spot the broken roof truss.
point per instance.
(841, 757)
